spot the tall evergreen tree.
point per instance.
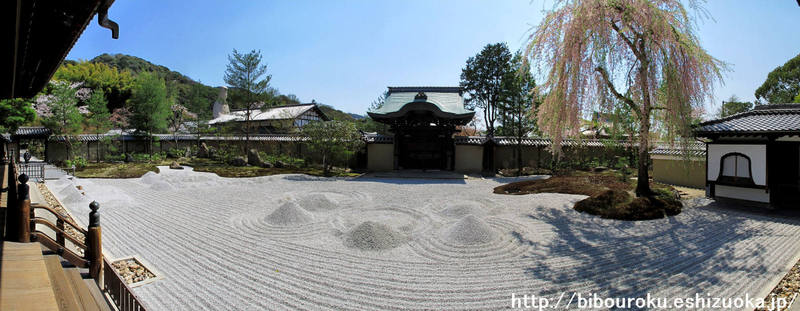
(519, 105)
(782, 84)
(248, 78)
(149, 106)
(482, 78)
(14, 113)
(99, 119)
(733, 106)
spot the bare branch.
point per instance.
(619, 96)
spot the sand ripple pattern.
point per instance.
(212, 240)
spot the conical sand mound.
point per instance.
(289, 214)
(373, 236)
(470, 230)
(317, 202)
(461, 209)
(150, 178)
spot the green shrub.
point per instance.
(288, 160)
(176, 153)
(79, 162)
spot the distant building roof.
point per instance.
(32, 132)
(272, 113)
(443, 102)
(763, 119)
(694, 149)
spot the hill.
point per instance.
(195, 96)
(114, 74)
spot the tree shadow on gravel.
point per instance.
(630, 259)
(411, 181)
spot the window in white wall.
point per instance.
(735, 169)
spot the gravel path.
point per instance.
(299, 242)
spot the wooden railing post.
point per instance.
(23, 210)
(59, 235)
(12, 183)
(94, 247)
(11, 201)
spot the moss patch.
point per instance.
(585, 184)
(609, 196)
(116, 170)
(615, 204)
(225, 170)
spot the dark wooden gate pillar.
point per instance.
(488, 158)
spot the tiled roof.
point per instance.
(32, 131)
(538, 142)
(447, 99)
(274, 113)
(764, 119)
(470, 140)
(378, 139)
(168, 137)
(694, 149)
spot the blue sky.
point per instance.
(345, 53)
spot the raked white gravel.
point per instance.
(223, 243)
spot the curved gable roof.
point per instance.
(447, 100)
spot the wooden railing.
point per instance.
(34, 170)
(121, 294)
(21, 227)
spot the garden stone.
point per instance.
(204, 152)
(266, 165)
(128, 157)
(175, 166)
(280, 164)
(253, 158)
(238, 161)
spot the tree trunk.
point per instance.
(643, 182)
(519, 153)
(324, 165)
(643, 178)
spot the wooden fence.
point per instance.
(21, 227)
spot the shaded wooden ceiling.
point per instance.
(36, 36)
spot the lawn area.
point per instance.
(117, 170)
(610, 195)
(137, 169)
(226, 170)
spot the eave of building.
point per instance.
(38, 35)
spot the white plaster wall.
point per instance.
(380, 157)
(757, 154)
(788, 138)
(469, 159)
(749, 194)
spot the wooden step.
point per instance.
(72, 291)
(25, 284)
(98, 296)
(83, 294)
(62, 287)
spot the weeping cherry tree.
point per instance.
(643, 53)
